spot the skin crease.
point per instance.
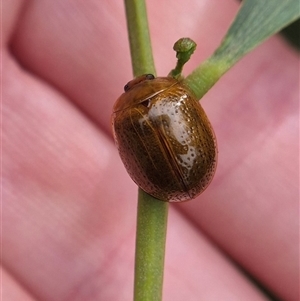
(68, 206)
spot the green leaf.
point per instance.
(256, 21)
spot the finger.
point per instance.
(251, 208)
(62, 214)
(81, 49)
(12, 290)
(195, 269)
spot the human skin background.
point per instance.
(68, 205)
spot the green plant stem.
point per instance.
(152, 213)
(205, 76)
(139, 38)
(150, 248)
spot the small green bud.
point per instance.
(184, 48)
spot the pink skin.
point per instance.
(68, 205)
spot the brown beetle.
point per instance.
(164, 138)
